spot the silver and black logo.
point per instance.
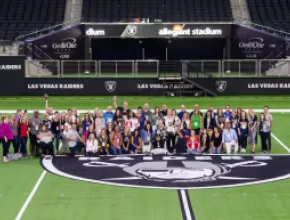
(110, 86)
(131, 29)
(172, 172)
(221, 85)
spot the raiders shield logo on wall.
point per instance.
(172, 172)
(221, 85)
(131, 29)
(110, 86)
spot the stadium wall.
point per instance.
(13, 83)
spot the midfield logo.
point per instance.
(172, 172)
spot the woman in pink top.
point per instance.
(6, 136)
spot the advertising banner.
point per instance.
(248, 43)
(12, 71)
(158, 30)
(156, 87)
(65, 44)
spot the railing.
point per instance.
(47, 30)
(156, 68)
(243, 21)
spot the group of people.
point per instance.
(123, 131)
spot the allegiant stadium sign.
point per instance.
(179, 31)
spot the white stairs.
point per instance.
(240, 10)
(73, 12)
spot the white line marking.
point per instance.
(185, 204)
(281, 143)
(23, 208)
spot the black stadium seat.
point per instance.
(166, 10)
(272, 13)
(19, 17)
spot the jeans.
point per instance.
(115, 150)
(23, 146)
(193, 151)
(216, 150)
(16, 144)
(6, 146)
(57, 141)
(76, 148)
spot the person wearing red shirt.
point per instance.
(193, 144)
(23, 134)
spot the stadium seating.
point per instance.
(19, 17)
(166, 10)
(272, 13)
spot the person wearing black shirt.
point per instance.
(265, 133)
(47, 121)
(123, 109)
(118, 119)
(126, 141)
(208, 123)
(164, 110)
(181, 143)
(216, 141)
(243, 131)
(55, 129)
(234, 120)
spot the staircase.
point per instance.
(34, 68)
(281, 68)
(240, 10)
(178, 79)
(73, 12)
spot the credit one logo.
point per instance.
(10, 67)
(68, 43)
(252, 44)
(93, 32)
(178, 30)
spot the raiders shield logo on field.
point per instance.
(111, 86)
(131, 29)
(172, 172)
(221, 85)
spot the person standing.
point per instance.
(269, 118)
(252, 118)
(6, 137)
(196, 121)
(23, 125)
(230, 139)
(15, 128)
(265, 129)
(228, 112)
(182, 111)
(169, 122)
(109, 115)
(243, 131)
(35, 124)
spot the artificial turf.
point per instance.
(60, 198)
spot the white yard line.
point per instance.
(281, 143)
(29, 198)
(185, 205)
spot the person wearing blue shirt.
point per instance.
(109, 115)
(182, 111)
(228, 112)
(230, 139)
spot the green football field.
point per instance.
(28, 192)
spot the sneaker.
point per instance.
(243, 150)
